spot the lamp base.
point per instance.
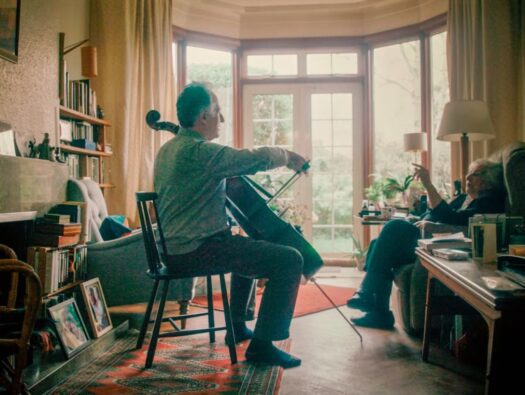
(464, 159)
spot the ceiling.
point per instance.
(247, 19)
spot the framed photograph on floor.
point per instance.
(71, 331)
(96, 307)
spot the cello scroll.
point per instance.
(153, 121)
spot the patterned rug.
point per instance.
(189, 365)
(309, 300)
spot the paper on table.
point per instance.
(500, 283)
(449, 237)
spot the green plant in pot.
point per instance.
(393, 187)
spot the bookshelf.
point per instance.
(85, 162)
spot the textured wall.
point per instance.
(31, 184)
(28, 89)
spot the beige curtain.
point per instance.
(134, 43)
(485, 52)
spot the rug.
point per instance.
(310, 299)
(189, 365)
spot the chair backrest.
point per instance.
(17, 270)
(147, 201)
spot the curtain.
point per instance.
(134, 42)
(485, 54)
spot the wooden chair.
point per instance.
(17, 319)
(158, 271)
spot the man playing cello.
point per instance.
(190, 180)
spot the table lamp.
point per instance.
(465, 120)
(415, 142)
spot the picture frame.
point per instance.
(96, 307)
(9, 29)
(71, 331)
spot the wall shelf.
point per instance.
(82, 151)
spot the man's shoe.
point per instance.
(375, 319)
(268, 354)
(363, 301)
(242, 332)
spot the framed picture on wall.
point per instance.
(96, 307)
(9, 29)
(70, 327)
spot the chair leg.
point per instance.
(156, 327)
(20, 363)
(183, 309)
(211, 316)
(228, 321)
(147, 315)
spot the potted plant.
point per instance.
(393, 186)
(359, 253)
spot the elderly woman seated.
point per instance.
(396, 243)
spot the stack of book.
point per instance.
(56, 230)
(455, 241)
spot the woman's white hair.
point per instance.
(491, 173)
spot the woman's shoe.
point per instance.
(375, 319)
(363, 301)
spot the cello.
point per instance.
(248, 202)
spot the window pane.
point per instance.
(322, 106)
(262, 107)
(342, 133)
(321, 162)
(332, 169)
(285, 65)
(321, 133)
(259, 65)
(440, 95)
(215, 67)
(344, 63)
(323, 239)
(342, 103)
(396, 105)
(318, 64)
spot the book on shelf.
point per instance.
(58, 229)
(456, 240)
(57, 218)
(79, 214)
(51, 265)
(51, 240)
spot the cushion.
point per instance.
(113, 227)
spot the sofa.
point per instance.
(120, 264)
(411, 279)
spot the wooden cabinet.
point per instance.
(90, 161)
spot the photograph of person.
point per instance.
(96, 307)
(70, 327)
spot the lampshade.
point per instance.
(415, 142)
(89, 61)
(470, 117)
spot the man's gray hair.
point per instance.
(491, 173)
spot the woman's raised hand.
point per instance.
(421, 173)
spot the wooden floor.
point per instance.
(387, 362)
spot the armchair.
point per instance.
(120, 264)
(411, 279)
